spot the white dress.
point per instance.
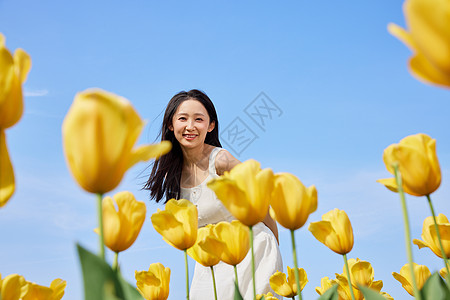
(266, 250)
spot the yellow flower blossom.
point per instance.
(13, 73)
(154, 283)
(288, 288)
(430, 238)
(291, 202)
(99, 133)
(334, 231)
(421, 272)
(121, 227)
(207, 249)
(177, 223)
(236, 239)
(428, 36)
(245, 191)
(418, 165)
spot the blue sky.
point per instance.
(339, 79)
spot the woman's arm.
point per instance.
(225, 162)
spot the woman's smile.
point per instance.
(189, 137)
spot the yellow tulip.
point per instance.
(325, 284)
(245, 191)
(13, 72)
(334, 231)
(121, 227)
(422, 273)
(268, 296)
(154, 283)
(430, 238)
(39, 292)
(418, 165)
(236, 239)
(287, 288)
(362, 273)
(207, 249)
(291, 202)
(344, 288)
(99, 133)
(7, 185)
(428, 36)
(443, 272)
(177, 223)
(12, 287)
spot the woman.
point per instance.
(191, 124)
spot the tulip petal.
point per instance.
(402, 35)
(13, 287)
(58, 285)
(377, 285)
(231, 196)
(144, 153)
(323, 231)
(426, 72)
(111, 223)
(170, 228)
(429, 24)
(389, 183)
(7, 74)
(405, 283)
(7, 185)
(444, 230)
(22, 64)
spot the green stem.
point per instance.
(347, 270)
(398, 180)
(100, 222)
(236, 276)
(253, 262)
(187, 274)
(297, 276)
(214, 282)
(444, 256)
(115, 265)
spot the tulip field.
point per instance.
(353, 167)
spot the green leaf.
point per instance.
(237, 294)
(370, 294)
(101, 282)
(130, 292)
(330, 294)
(435, 288)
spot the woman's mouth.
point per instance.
(189, 136)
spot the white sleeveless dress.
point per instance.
(266, 250)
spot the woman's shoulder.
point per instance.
(225, 161)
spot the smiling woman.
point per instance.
(191, 124)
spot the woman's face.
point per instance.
(191, 123)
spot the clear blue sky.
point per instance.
(339, 79)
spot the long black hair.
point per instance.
(165, 177)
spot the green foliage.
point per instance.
(101, 282)
(330, 294)
(237, 294)
(435, 288)
(370, 294)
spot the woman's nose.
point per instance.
(190, 125)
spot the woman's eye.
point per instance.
(182, 118)
(199, 119)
